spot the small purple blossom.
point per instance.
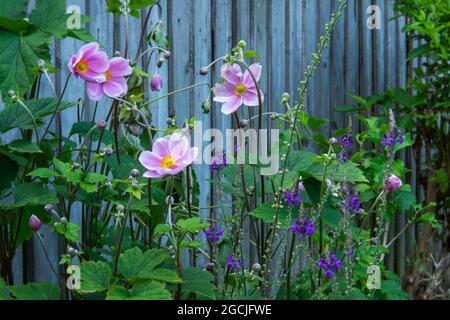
(35, 223)
(213, 234)
(304, 228)
(346, 143)
(330, 264)
(233, 263)
(292, 198)
(391, 138)
(156, 83)
(219, 162)
(351, 202)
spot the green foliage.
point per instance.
(198, 282)
(35, 291)
(95, 277)
(135, 5)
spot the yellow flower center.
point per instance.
(240, 89)
(107, 76)
(167, 162)
(82, 67)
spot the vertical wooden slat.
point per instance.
(312, 30)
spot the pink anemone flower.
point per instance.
(170, 155)
(89, 63)
(239, 87)
(115, 84)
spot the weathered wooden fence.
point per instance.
(284, 33)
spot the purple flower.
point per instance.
(35, 223)
(351, 202)
(346, 143)
(239, 87)
(156, 83)
(292, 198)
(304, 228)
(213, 234)
(218, 162)
(392, 137)
(233, 263)
(393, 183)
(301, 187)
(331, 264)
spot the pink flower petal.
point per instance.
(251, 98)
(161, 147)
(93, 77)
(119, 67)
(122, 82)
(256, 69)
(153, 174)
(150, 160)
(94, 91)
(98, 62)
(112, 89)
(179, 148)
(190, 156)
(224, 92)
(231, 73)
(88, 50)
(232, 105)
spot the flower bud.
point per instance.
(160, 62)
(210, 266)
(72, 251)
(206, 107)
(169, 122)
(373, 241)
(242, 44)
(256, 267)
(117, 54)
(203, 71)
(63, 220)
(41, 63)
(108, 151)
(301, 187)
(156, 83)
(167, 55)
(120, 208)
(244, 123)
(333, 141)
(34, 223)
(11, 93)
(170, 200)
(136, 130)
(48, 208)
(134, 173)
(285, 98)
(101, 124)
(393, 183)
(75, 166)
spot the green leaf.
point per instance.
(147, 290)
(50, 17)
(267, 213)
(14, 116)
(70, 231)
(348, 170)
(134, 265)
(18, 26)
(43, 173)
(14, 8)
(199, 282)
(35, 194)
(95, 277)
(88, 187)
(430, 218)
(35, 291)
(94, 177)
(10, 168)
(24, 146)
(165, 275)
(135, 5)
(191, 225)
(251, 54)
(18, 59)
(3, 290)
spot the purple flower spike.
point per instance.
(213, 234)
(292, 198)
(234, 264)
(330, 264)
(304, 228)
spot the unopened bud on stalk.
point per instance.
(48, 208)
(75, 166)
(108, 151)
(72, 251)
(333, 141)
(210, 266)
(203, 71)
(11, 93)
(256, 267)
(167, 54)
(63, 220)
(134, 173)
(242, 44)
(35, 223)
(120, 208)
(101, 124)
(285, 98)
(160, 62)
(244, 123)
(117, 54)
(170, 200)
(169, 122)
(393, 183)
(41, 63)
(206, 107)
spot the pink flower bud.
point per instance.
(301, 187)
(101, 124)
(156, 83)
(34, 223)
(393, 183)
